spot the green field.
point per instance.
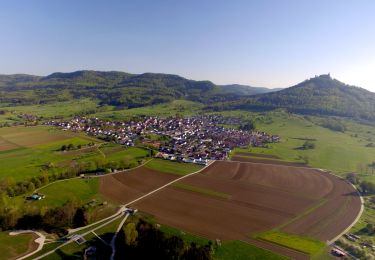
(56, 110)
(203, 191)
(176, 168)
(33, 147)
(13, 246)
(300, 243)
(340, 152)
(228, 250)
(25, 151)
(122, 152)
(176, 107)
(237, 250)
(58, 193)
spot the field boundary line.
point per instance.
(93, 176)
(169, 183)
(71, 240)
(118, 214)
(328, 242)
(314, 207)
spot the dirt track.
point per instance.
(262, 197)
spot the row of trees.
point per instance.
(51, 173)
(353, 249)
(366, 187)
(143, 240)
(56, 220)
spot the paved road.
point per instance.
(113, 241)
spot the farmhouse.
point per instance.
(36, 196)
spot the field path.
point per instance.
(115, 216)
(40, 240)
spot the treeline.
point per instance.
(55, 220)
(142, 240)
(366, 187)
(71, 147)
(354, 250)
(51, 173)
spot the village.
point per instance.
(192, 139)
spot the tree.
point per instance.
(131, 234)
(367, 187)
(79, 219)
(352, 178)
(30, 186)
(248, 126)
(308, 145)
(197, 252)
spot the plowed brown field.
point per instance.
(261, 197)
(127, 186)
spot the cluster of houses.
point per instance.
(191, 139)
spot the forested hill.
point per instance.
(319, 95)
(244, 90)
(114, 88)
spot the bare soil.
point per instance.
(262, 197)
(126, 186)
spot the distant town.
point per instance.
(192, 139)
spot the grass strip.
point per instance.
(202, 191)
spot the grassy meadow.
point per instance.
(341, 152)
(26, 151)
(300, 243)
(13, 246)
(176, 168)
(55, 110)
(176, 107)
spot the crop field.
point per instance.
(126, 186)
(176, 168)
(58, 109)
(29, 136)
(25, 151)
(238, 201)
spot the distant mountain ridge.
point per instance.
(321, 95)
(245, 90)
(114, 88)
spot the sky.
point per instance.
(266, 43)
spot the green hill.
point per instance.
(113, 88)
(320, 95)
(244, 90)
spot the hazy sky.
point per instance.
(262, 43)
